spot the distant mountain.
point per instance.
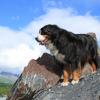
(8, 74)
(7, 77)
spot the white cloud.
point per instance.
(68, 19)
(18, 56)
(18, 47)
(11, 38)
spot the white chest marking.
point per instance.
(54, 51)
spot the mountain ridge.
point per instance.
(8, 73)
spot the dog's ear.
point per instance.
(54, 31)
(57, 37)
(51, 30)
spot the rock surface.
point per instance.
(39, 81)
(86, 89)
(38, 74)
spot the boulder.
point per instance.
(40, 80)
(87, 89)
(38, 74)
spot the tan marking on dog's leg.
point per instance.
(66, 77)
(75, 76)
(93, 68)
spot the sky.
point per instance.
(20, 21)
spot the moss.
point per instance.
(4, 88)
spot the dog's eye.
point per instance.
(40, 31)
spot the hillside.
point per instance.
(6, 82)
(6, 77)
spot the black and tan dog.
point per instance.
(72, 50)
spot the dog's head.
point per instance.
(46, 33)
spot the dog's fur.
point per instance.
(72, 50)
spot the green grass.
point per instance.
(6, 83)
(4, 88)
(5, 79)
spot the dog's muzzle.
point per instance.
(40, 42)
(37, 39)
(42, 39)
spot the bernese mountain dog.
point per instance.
(72, 50)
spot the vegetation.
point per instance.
(4, 88)
(6, 79)
(6, 82)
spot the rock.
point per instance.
(40, 81)
(39, 74)
(86, 89)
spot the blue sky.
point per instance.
(18, 13)
(20, 21)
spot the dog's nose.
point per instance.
(36, 39)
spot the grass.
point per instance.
(6, 83)
(4, 88)
(5, 79)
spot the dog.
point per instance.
(72, 50)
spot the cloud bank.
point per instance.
(17, 48)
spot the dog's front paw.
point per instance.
(93, 72)
(74, 82)
(64, 83)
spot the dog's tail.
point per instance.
(93, 35)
